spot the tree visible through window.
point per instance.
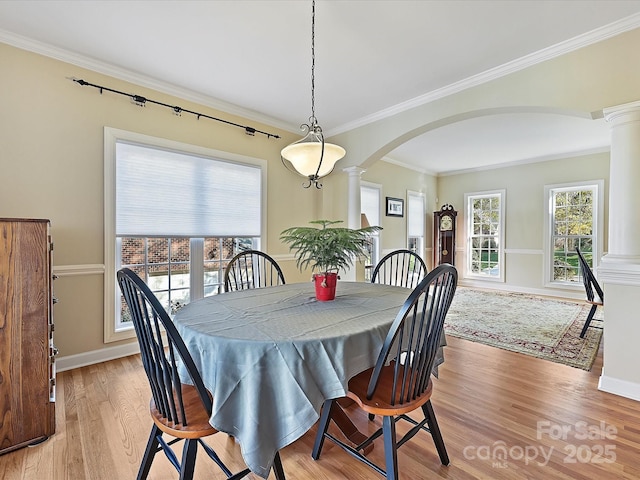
(572, 226)
(484, 242)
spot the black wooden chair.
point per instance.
(180, 410)
(252, 269)
(400, 382)
(402, 268)
(590, 285)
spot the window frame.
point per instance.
(468, 213)
(111, 137)
(199, 267)
(421, 238)
(597, 236)
(375, 236)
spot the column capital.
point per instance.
(625, 112)
(352, 171)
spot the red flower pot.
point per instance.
(325, 286)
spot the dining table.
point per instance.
(271, 356)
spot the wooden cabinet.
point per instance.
(27, 368)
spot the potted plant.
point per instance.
(327, 250)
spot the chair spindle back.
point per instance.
(252, 269)
(402, 268)
(162, 349)
(589, 279)
(415, 336)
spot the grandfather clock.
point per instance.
(444, 231)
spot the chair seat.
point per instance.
(179, 410)
(198, 426)
(400, 383)
(380, 404)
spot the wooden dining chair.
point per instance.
(400, 382)
(402, 268)
(179, 410)
(252, 269)
(596, 299)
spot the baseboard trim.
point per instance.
(619, 387)
(70, 362)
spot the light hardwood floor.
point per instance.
(550, 419)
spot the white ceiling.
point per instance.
(373, 59)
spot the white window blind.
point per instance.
(370, 204)
(415, 215)
(167, 193)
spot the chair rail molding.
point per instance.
(73, 270)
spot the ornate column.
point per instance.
(624, 194)
(354, 207)
(619, 270)
(353, 213)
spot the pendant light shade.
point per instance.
(311, 156)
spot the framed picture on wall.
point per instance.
(395, 207)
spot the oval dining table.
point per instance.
(272, 356)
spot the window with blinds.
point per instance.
(168, 193)
(370, 206)
(415, 222)
(175, 214)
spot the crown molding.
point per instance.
(425, 171)
(104, 68)
(599, 34)
(629, 23)
(514, 163)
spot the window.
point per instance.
(485, 234)
(415, 222)
(175, 214)
(166, 266)
(370, 206)
(572, 222)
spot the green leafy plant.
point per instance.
(326, 248)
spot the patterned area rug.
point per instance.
(536, 326)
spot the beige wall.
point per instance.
(575, 84)
(51, 164)
(524, 211)
(395, 181)
(51, 159)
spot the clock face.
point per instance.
(446, 223)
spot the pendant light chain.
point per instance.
(310, 156)
(312, 120)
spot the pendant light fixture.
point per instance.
(311, 156)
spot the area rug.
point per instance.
(536, 326)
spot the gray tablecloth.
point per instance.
(272, 356)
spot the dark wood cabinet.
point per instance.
(27, 368)
(444, 230)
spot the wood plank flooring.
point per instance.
(503, 415)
